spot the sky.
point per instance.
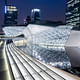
(53, 10)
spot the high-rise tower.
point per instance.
(35, 14)
(10, 14)
(73, 12)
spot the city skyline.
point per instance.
(50, 10)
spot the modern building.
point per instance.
(11, 15)
(73, 12)
(46, 44)
(35, 14)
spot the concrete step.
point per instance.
(25, 67)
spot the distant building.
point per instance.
(73, 12)
(10, 16)
(27, 20)
(35, 14)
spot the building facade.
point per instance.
(73, 12)
(35, 14)
(11, 15)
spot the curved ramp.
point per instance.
(25, 67)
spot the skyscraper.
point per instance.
(35, 14)
(73, 12)
(10, 16)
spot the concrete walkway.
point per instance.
(3, 65)
(25, 67)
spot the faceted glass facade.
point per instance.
(47, 44)
(73, 12)
(44, 43)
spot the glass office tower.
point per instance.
(73, 12)
(35, 15)
(10, 16)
